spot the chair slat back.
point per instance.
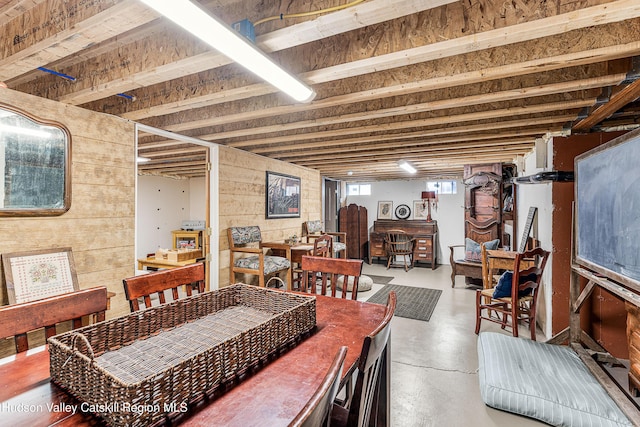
(191, 276)
(399, 242)
(521, 270)
(316, 412)
(369, 368)
(18, 319)
(326, 271)
(323, 246)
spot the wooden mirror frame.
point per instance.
(65, 200)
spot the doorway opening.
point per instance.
(176, 190)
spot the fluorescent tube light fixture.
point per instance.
(406, 166)
(141, 159)
(230, 43)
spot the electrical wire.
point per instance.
(298, 15)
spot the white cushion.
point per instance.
(364, 283)
(543, 381)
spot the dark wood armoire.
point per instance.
(353, 220)
(490, 201)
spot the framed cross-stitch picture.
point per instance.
(35, 275)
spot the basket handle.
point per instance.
(74, 341)
(277, 279)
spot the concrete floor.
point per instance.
(434, 380)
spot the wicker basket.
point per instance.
(136, 369)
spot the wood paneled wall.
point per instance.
(99, 227)
(242, 199)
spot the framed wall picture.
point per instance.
(385, 210)
(420, 209)
(282, 196)
(34, 275)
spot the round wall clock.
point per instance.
(403, 211)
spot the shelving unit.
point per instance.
(188, 239)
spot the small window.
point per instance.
(442, 187)
(358, 189)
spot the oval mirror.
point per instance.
(35, 162)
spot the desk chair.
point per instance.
(326, 271)
(144, 286)
(357, 410)
(248, 241)
(316, 412)
(399, 243)
(311, 230)
(18, 319)
(516, 294)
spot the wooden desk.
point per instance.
(272, 396)
(162, 263)
(426, 234)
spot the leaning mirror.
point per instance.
(35, 162)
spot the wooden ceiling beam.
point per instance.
(379, 167)
(167, 67)
(545, 27)
(84, 24)
(174, 152)
(516, 145)
(485, 98)
(626, 95)
(332, 148)
(447, 81)
(616, 11)
(489, 98)
(12, 8)
(548, 123)
(492, 114)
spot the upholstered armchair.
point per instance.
(247, 241)
(313, 229)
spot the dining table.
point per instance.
(295, 254)
(271, 395)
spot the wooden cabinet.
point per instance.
(426, 234)
(490, 200)
(353, 221)
(425, 248)
(376, 245)
(187, 239)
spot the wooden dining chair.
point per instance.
(311, 230)
(322, 247)
(399, 244)
(18, 319)
(144, 286)
(516, 294)
(316, 412)
(357, 410)
(326, 272)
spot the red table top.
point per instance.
(272, 396)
